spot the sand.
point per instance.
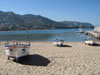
(74, 58)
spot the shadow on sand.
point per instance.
(96, 44)
(33, 60)
(66, 46)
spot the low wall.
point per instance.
(97, 29)
(95, 33)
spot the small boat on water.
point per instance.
(80, 31)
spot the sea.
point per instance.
(69, 35)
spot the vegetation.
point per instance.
(12, 21)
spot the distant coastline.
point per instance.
(45, 29)
(9, 21)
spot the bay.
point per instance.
(70, 35)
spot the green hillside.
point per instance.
(12, 21)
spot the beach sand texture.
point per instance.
(74, 58)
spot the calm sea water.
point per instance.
(44, 35)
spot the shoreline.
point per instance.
(49, 29)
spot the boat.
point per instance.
(17, 49)
(80, 31)
(58, 42)
(95, 34)
(90, 41)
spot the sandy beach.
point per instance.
(74, 58)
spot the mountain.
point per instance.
(12, 21)
(78, 24)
